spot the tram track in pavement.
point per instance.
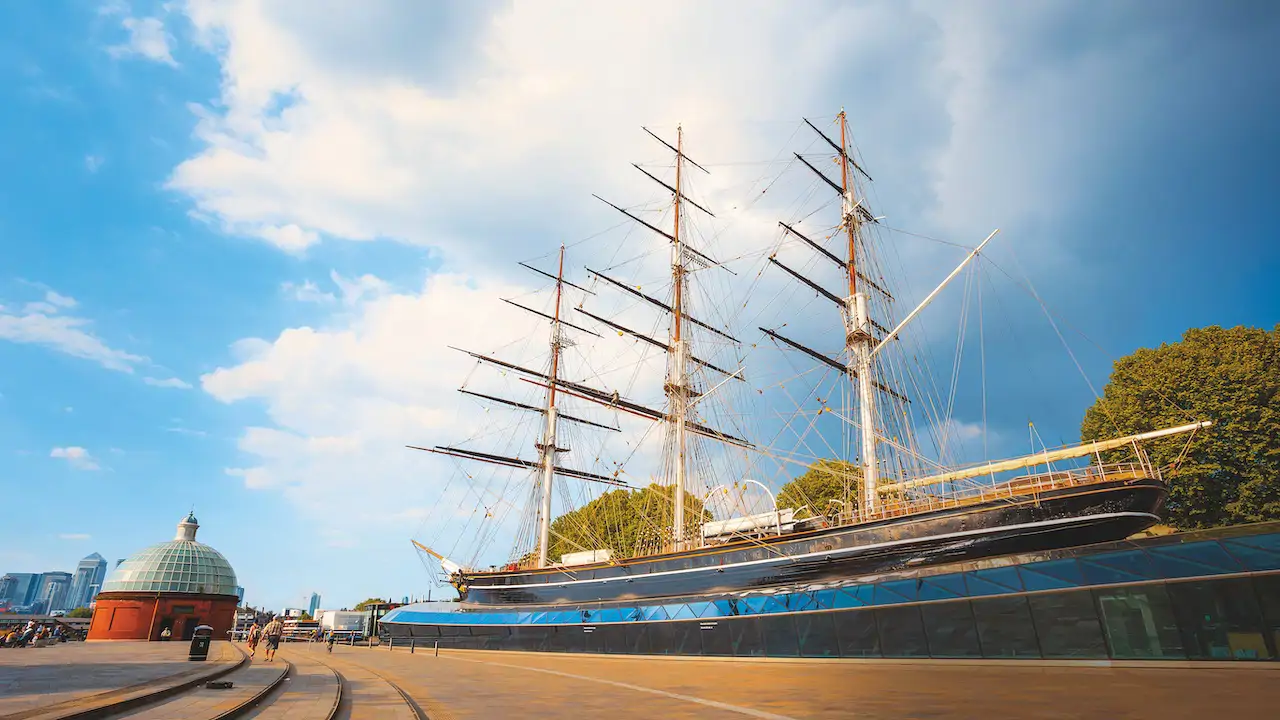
(252, 685)
(363, 698)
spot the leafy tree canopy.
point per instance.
(305, 617)
(825, 481)
(1231, 471)
(80, 612)
(624, 522)
(365, 604)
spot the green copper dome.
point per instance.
(180, 565)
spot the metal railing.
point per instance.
(1016, 488)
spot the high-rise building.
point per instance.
(89, 575)
(314, 605)
(54, 588)
(17, 588)
(240, 594)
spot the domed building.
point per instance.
(175, 585)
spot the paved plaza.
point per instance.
(47, 683)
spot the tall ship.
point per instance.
(698, 527)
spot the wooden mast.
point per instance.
(858, 338)
(677, 380)
(548, 445)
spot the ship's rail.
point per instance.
(1015, 488)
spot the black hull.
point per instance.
(1057, 519)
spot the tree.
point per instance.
(80, 612)
(624, 522)
(1229, 473)
(823, 482)
(305, 617)
(366, 604)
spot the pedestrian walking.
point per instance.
(272, 631)
(255, 634)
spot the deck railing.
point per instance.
(1029, 484)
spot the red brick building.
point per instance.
(175, 585)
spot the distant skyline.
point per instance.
(237, 237)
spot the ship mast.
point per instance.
(858, 338)
(678, 373)
(548, 446)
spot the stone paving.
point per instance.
(202, 702)
(468, 684)
(37, 681)
(478, 684)
(309, 693)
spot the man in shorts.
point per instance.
(272, 633)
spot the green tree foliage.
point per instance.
(365, 604)
(305, 617)
(1231, 471)
(625, 522)
(823, 482)
(80, 612)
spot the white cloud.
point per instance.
(481, 134)
(77, 457)
(289, 238)
(167, 383)
(308, 291)
(93, 162)
(62, 301)
(39, 323)
(147, 38)
(186, 431)
(74, 536)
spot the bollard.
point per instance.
(437, 648)
(412, 644)
(391, 643)
(351, 639)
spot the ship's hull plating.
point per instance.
(1062, 518)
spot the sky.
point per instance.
(237, 237)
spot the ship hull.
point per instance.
(1056, 519)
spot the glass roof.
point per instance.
(175, 566)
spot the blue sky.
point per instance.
(235, 237)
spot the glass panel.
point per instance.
(857, 634)
(825, 599)
(1118, 567)
(1067, 625)
(558, 638)
(1219, 619)
(1260, 552)
(817, 634)
(942, 587)
(638, 639)
(992, 582)
(688, 640)
(715, 638)
(856, 596)
(680, 612)
(1005, 628)
(1139, 622)
(799, 602)
(950, 629)
(896, 591)
(1267, 590)
(745, 635)
(612, 638)
(780, 635)
(901, 634)
(1192, 559)
(662, 638)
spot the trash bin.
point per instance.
(200, 641)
